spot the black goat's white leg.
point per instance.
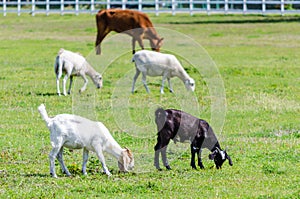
(164, 157)
(199, 159)
(193, 152)
(156, 160)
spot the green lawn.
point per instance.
(247, 76)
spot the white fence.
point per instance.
(155, 6)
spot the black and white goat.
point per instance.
(180, 126)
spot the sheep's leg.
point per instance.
(61, 161)
(193, 152)
(137, 73)
(64, 84)
(99, 153)
(170, 85)
(144, 80)
(85, 83)
(84, 162)
(71, 81)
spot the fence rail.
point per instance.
(155, 6)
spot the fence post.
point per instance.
(92, 6)
(140, 5)
(19, 7)
(208, 7)
(32, 8)
(62, 7)
(244, 7)
(191, 7)
(108, 4)
(156, 7)
(173, 7)
(226, 7)
(282, 7)
(263, 6)
(4, 8)
(47, 7)
(76, 7)
(123, 4)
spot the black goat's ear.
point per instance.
(212, 156)
(229, 159)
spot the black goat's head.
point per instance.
(219, 157)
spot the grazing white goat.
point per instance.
(74, 64)
(159, 64)
(75, 132)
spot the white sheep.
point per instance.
(74, 64)
(75, 132)
(159, 64)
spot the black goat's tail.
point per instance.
(160, 118)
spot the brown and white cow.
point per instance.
(134, 23)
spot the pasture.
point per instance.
(256, 58)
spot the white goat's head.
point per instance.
(97, 79)
(190, 84)
(126, 161)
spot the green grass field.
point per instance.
(257, 62)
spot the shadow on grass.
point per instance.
(39, 175)
(267, 19)
(45, 94)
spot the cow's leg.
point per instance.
(85, 157)
(144, 80)
(102, 32)
(137, 73)
(61, 161)
(70, 86)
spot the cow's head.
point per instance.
(219, 157)
(156, 44)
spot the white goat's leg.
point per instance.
(85, 83)
(57, 86)
(85, 159)
(170, 85)
(61, 161)
(52, 157)
(144, 80)
(137, 73)
(163, 84)
(71, 81)
(64, 84)
(98, 150)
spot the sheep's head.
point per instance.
(126, 161)
(219, 157)
(97, 79)
(190, 84)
